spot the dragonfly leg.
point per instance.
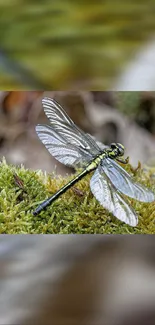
(123, 161)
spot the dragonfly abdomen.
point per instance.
(61, 191)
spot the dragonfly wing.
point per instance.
(101, 145)
(124, 182)
(62, 124)
(110, 198)
(68, 155)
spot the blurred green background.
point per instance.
(70, 44)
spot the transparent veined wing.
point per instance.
(124, 182)
(101, 145)
(110, 198)
(68, 155)
(62, 123)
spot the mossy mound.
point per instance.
(74, 212)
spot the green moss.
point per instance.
(73, 212)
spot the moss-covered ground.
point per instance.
(74, 212)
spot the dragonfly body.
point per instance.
(92, 166)
(72, 147)
(89, 168)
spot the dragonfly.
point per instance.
(74, 148)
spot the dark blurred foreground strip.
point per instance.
(77, 280)
(19, 73)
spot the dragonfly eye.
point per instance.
(120, 148)
(113, 146)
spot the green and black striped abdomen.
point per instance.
(61, 191)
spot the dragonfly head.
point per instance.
(117, 149)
